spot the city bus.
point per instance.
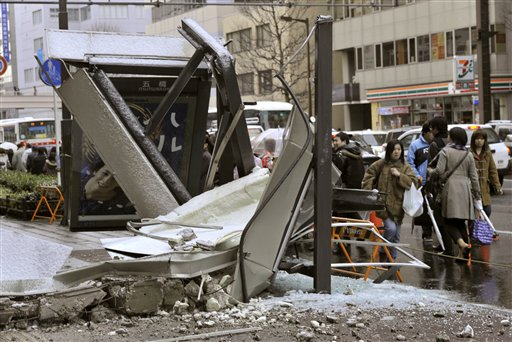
(36, 131)
(267, 114)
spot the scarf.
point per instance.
(457, 147)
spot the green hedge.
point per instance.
(22, 185)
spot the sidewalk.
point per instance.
(86, 246)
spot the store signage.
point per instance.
(393, 110)
(464, 72)
(5, 32)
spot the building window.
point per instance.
(37, 17)
(359, 58)
(241, 40)
(449, 44)
(38, 44)
(388, 54)
(246, 84)
(85, 13)
(474, 40)
(356, 11)
(401, 51)
(500, 39)
(423, 47)
(462, 42)
(54, 12)
(369, 57)
(265, 81)
(73, 14)
(378, 55)
(412, 50)
(437, 46)
(263, 37)
(29, 75)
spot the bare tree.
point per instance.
(275, 42)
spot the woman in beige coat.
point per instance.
(461, 193)
(391, 175)
(486, 168)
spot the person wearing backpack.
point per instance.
(417, 157)
(348, 159)
(460, 194)
(439, 128)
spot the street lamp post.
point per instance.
(306, 22)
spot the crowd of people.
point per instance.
(31, 159)
(456, 181)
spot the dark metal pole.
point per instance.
(484, 61)
(322, 154)
(310, 94)
(65, 129)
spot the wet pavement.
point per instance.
(488, 280)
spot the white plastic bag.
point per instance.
(413, 202)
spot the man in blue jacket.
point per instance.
(417, 157)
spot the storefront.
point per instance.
(413, 105)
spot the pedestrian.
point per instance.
(417, 157)
(17, 163)
(50, 167)
(391, 175)
(25, 157)
(4, 160)
(439, 129)
(267, 160)
(486, 168)
(37, 163)
(347, 157)
(460, 194)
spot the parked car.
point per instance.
(504, 130)
(500, 151)
(373, 138)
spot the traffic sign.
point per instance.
(3, 65)
(50, 73)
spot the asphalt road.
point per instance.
(488, 279)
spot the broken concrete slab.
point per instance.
(69, 304)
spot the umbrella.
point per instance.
(434, 223)
(8, 146)
(258, 144)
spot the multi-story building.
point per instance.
(395, 66)
(27, 34)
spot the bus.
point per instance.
(36, 131)
(267, 114)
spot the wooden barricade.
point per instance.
(49, 192)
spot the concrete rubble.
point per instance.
(130, 296)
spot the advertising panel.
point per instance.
(99, 201)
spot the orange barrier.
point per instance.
(354, 232)
(49, 192)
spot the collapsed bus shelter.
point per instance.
(142, 102)
(276, 205)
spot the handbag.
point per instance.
(482, 232)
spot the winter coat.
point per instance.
(349, 161)
(394, 187)
(436, 146)
(16, 160)
(417, 157)
(487, 172)
(462, 186)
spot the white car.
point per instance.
(500, 152)
(373, 138)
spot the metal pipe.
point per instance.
(159, 163)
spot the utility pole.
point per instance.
(65, 153)
(484, 61)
